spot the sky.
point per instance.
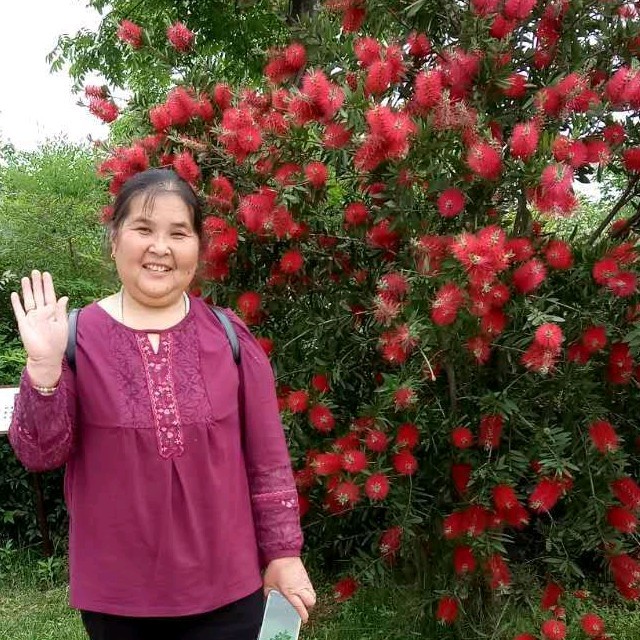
(34, 103)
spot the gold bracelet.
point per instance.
(45, 391)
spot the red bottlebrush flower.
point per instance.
(463, 560)
(450, 202)
(376, 441)
(106, 110)
(578, 353)
(631, 159)
(394, 284)
(336, 136)
(444, 309)
(524, 636)
(622, 519)
(408, 435)
(327, 464)
(558, 255)
(379, 77)
(130, 33)
(598, 152)
(518, 9)
(516, 86)
(592, 624)
(447, 610)
(403, 398)
(380, 236)
(266, 344)
(221, 196)
(620, 365)
(623, 284)
(549, 336)
(180, 37)
(485, 161)
(627, 491)
(484, 8)
(405, 463)
(320, 382)
(94, 91)
(476, 520)
(520, 248)
(222, 96)
(499, 574)
(529, 276)
(376, 486)
(249, 303)
(291, 261)
(480, 348)
(345, 589)
(504, 496)
(462, 437)
(493, 322)
(524, 140)
(160, 118)
(317, 174)
(354, 461)
(594, 339)
(453, 525)
(298, 401)
(545, 495)
(356, 213)
(346, 494)
(419, 45)
(367, 50)
(461, 474)
(490, 431)
(321, 418)
(614, 134)
(604, 270)
(186, 167)
(428, 89)
(550, 596)
(604, 437)
(390, 542)
(554, 629)
(353, 18)
(625, 570)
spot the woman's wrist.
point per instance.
(44, 375)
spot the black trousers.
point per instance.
(239, 620)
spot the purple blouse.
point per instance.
(174, 504)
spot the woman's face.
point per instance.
(156, 251)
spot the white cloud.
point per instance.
(35, 104)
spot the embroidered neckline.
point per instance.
(159, 374)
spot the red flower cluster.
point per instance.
(345, 589)
(447, 610)
(353, 13)
(319, 99)
(627, 491)
(249, 305)
(222, 242)
(592, 624)
(554, 194)
(604, 437)
(285, 63)
(626, 575)
(609, 270)
(620, 364)
(490, 431)
(180, 107)
(472, 521)
(390, 541)
(130, 33)
(124, 163)
(553, 629)
(546, 494)
(104, 109)
(180, 37)
(623, 88)
(376, 486)
(463, 560)
(544, 352)
(387, 139)
(524, 140)
(498, 570)
(444, 309)
(396, 344)
(384, 65)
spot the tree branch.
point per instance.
(629, 193)
(523, 216)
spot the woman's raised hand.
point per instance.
(43, 325)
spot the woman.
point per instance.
(178, 481)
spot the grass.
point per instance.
(33, 606)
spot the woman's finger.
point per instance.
(27, 295)
(61, 308)
(49, 290)
(36, 284)
(298, 605)
(17, 307)
(308, 597)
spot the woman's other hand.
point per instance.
(289, 577)
(43, 325)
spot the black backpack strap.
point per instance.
(72, 339)
(232, 336)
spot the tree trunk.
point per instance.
(298, 9)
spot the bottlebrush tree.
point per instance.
(453, 377)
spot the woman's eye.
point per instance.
(143, 230)
(179, 235)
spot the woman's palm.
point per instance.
(42, 319)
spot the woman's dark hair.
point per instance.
(149, 184)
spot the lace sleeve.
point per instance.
(42, 427)
(273, 491)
